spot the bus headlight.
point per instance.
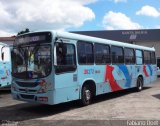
(43, 87)
(42, 90)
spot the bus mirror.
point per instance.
(2, 56)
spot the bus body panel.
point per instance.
(5, 66)
(112, 78)
(65, 94)
(149, 73)
(66, 87)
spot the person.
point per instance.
(60, 57)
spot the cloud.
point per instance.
(47, 14)
(116, 21)
(157, 27)
(118, 1)
(5, 34)
(148, 11)
(86, 1)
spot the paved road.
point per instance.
(123, 105)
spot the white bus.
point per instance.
(53, 67)
(5, 66)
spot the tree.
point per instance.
(25, 31)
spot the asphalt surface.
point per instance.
(119, 108)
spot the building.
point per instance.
(7, 40)
(144, 37)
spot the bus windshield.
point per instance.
(31, 61)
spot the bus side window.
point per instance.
(85, 53)
(65, 55)
(153, 58)
(102, 54)
(117, 55)
(139, 57)
(5, 54)
(147, 57)
(129, 56)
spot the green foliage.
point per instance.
(22, 32)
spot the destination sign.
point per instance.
(33, 38)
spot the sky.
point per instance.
(77, 15)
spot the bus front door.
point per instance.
(66, 85)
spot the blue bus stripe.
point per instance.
(125, 71)
(150, 69)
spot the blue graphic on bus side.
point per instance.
(1, 71)
(125, 71)
(150, 69)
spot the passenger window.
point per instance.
(85, 53)
(129, 56)
(153, 58)
(117, 54)
(147, 57)
(139, 57)
(102, 54)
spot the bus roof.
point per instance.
(99, 40)
(75, 36)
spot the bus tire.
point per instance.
(86, 96)
(139, 84)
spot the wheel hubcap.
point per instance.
(140, 85)
(88, 95)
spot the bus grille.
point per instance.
(29, 90)
(27, 96)
(27, 84)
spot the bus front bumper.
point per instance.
(43, 98)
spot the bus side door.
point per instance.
(66, 85)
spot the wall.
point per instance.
(156, 45)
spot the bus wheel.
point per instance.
(139, 84)
(86, 95)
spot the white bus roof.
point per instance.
(75, 36)
(99, 40)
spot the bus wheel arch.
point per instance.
(140, 82)
(88, 91)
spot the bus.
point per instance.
(5, 66)
(52, 67)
